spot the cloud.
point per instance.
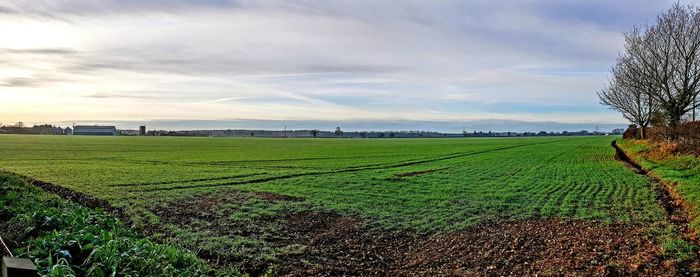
(220, 100)
(310, 59)
(67, 9)
(6, 10)
(40, 51)
(126, 95)
(21, 82)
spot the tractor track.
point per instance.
(345, 170)
(188, 181)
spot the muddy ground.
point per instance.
(336, 245)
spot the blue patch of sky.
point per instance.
(611, 15)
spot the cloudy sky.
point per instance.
(340, 61)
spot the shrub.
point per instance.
(683, 139)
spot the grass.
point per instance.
(407, 185)
(682, 170)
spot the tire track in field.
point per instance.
(227, 163)
(346, 170)
(188, 181)
(224, 177)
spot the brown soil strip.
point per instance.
(274, 197)
(73, 196)
(677, 210)
(620, 155)
(340, 246)
(337, 245)
(189, 214)
(200, 207)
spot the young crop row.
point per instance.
(416, 184)
(542, 180)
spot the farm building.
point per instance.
(95, 130)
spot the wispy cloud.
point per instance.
(20, 82)
(219, 100)
(451, 60)
(44, 51)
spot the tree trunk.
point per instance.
(674, 118)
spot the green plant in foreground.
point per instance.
(679, 250)
(65, 239)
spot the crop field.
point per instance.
(343, 206)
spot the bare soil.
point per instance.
(336, 245)
(340, 246)
(274, 197)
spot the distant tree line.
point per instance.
(339, 133)
(48, 129)
(39, 129)
(656, 78)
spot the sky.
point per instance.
(429, 65)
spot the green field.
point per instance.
(410, 186)
(458, 182)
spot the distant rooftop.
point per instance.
(95, 127)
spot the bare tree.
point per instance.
(665, 57)
(338, 132)
(629, 95)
